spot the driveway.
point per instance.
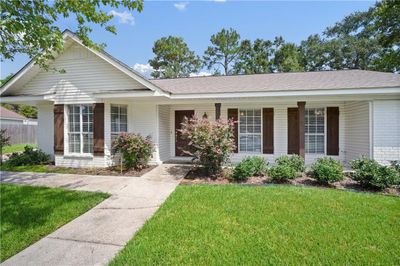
(95, 237)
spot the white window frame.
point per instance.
(261, 132)
(81, 133)
(315, 134)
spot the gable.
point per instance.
(85, 74)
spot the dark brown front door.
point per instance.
(293, 131)
(181, 143)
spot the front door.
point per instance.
(181, 143)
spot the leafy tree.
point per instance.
(254, 58)
(173, 58)
(224, 50)
(28, 26)
(387, 22)
(367, 40)
(287, 57)
(313, 52)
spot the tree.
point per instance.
(173, 58)
(287, 57)
(254, 58)
(367, 40)
(387, 22)
(313, 53)
(28, 27)
(223, 51)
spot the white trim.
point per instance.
(288, 93)
(23, 98)
(371, 129)
(111, 95)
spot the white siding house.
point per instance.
(347, 114)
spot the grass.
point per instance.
(35, 169)
(30, 213)
(253, 225)
(16, 148)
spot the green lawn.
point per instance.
(16, 148)
(236, 225)
(30, 213)
(35, 169)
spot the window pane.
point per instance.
(87, 143)
(123, 128)
(250, 130)
(315, 130)
(74, 143)
(119, 118)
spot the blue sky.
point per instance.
(196, 21)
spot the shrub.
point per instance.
(295, 161)
(28, 157)
(4, 141)
(250, 166)
(395, 165)
(282, 172)
(370, 173)
(210, 143)
(136, 150)
(327, 170)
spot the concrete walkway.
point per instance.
(95, 237)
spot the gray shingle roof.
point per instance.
(323, 80)
(5, 113)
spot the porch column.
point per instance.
(217, 111)
(301, 114)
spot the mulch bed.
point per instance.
(197, 176)
(112, 171)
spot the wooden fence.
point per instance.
(20, 133)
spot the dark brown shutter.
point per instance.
(98, 129)
(293, 131)
(234, 115)
(58, 129)
(268, 130)
(332, 138)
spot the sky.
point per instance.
(196, 21)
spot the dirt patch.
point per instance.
(197, 176)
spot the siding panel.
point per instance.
(85, 74)
(357, 137)
(386, 128)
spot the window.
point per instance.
(250, 130)
(80, 125)
(119, 120)
(315, 130)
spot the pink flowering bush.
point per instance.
(135, 149)
(210, 143)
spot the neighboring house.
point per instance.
(342, 114)
(8, 117)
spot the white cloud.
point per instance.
(219, 1)
(181, 6)
(123, 17)
(200, 74)
(144, 69)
